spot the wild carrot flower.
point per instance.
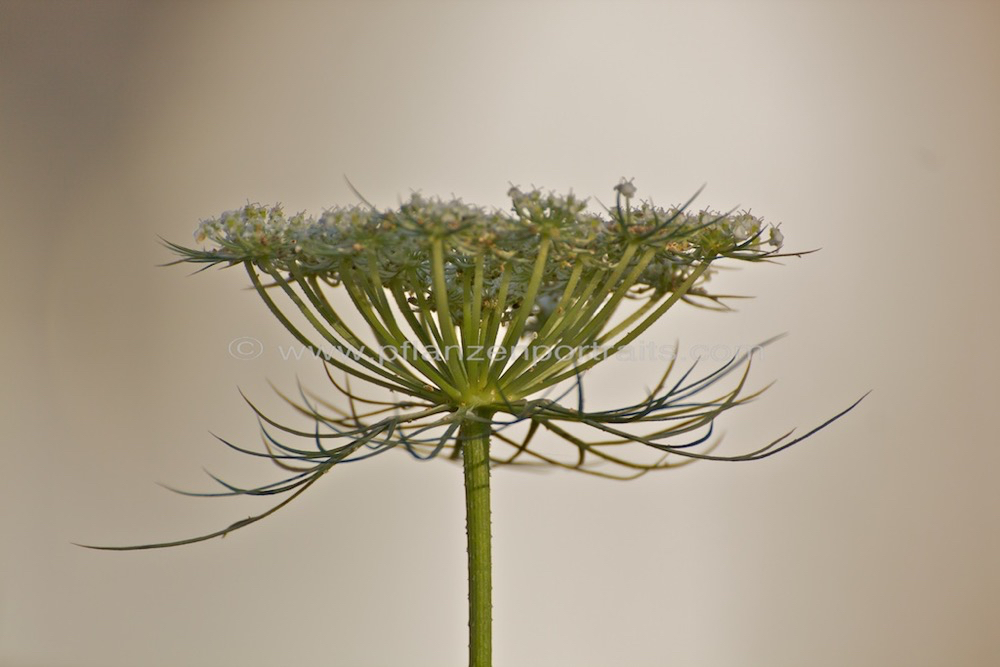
(479, 320)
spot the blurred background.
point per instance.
(867, 129)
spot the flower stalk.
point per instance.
(475, 439)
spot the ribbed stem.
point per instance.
(475, 436)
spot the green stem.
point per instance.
(475, 438)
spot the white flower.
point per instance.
(777, 238)
(742, 230)
(626, 189)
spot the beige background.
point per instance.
(867, 129)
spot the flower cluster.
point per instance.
(394, 247)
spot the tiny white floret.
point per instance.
(626, 188)
(777, 238)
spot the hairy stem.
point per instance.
(475, 438)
